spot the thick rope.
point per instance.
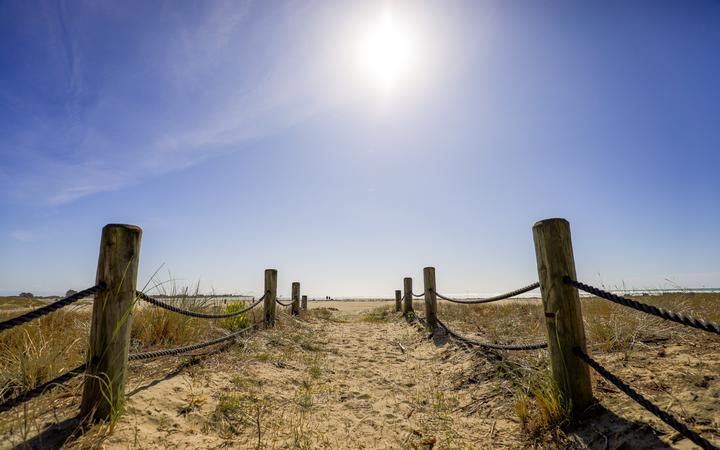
(186, 312)
(645, 403)
(189, 348)
(700, 324)
(418, 295)
(25, 396)
(467, 340)
(283, 304)
(27, 317)
(475, 301)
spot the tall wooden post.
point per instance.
(303, 302)
(398, 300)
(563, 316)
(270, 297)
(295, 307)
(430, 297)
(104, 388)
(408, 299)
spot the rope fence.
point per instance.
(110, 328)
(117, 280)
(564, 323)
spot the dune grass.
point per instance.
(42, 349)
(609, 329)
(37, 351)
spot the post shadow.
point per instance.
(600, 428)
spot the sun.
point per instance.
(387, 53)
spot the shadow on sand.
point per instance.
(70, 429)
(601, 428)
(54, 436)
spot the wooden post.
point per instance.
(271, 290)
(408, 299)
(430, 297)
(563, 316)
(398, 300)
(303, 302)
(295, 307)
(104, 388)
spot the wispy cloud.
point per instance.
(26, 236)
(200, 86)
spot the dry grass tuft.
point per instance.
(379, 314)
(542, 410)
(33, 353)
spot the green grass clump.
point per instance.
(542, 409)
(315, 371)
(380, 314)
(236, 322)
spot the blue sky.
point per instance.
(242, 136)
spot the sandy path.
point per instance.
(337, 383)
(340, 379)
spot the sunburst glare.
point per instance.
(387, 52)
